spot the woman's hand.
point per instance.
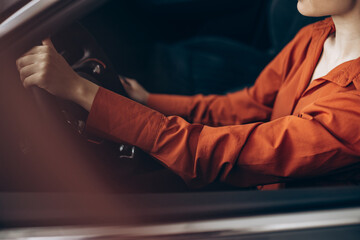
(44, 67)
(135, 90)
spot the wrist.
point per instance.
(84, 93)
(145, 98)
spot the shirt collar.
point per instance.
(346, 72)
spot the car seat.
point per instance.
(216, 65)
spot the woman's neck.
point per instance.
(346, 40)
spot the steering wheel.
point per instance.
(83, 54)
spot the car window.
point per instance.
(52, 175)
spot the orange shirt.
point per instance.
(281, 130)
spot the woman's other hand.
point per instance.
(134, 90)
(44, 67)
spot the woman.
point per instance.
(298, 122)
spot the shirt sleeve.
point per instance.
(248, 105)
(251, 154)
(212, 110)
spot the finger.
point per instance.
(32, 80)
(48, 42)
(124, 81)
(31, 59)
(25, 61)
(37, 49)
(130, 80)
(121, 80)
(127, 88)
(28, 71)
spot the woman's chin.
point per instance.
(321, 8)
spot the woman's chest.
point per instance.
(297, 94)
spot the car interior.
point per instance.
(212, 54)
(170, 46)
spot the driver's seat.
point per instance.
(216, 65)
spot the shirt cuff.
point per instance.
(120, 119)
